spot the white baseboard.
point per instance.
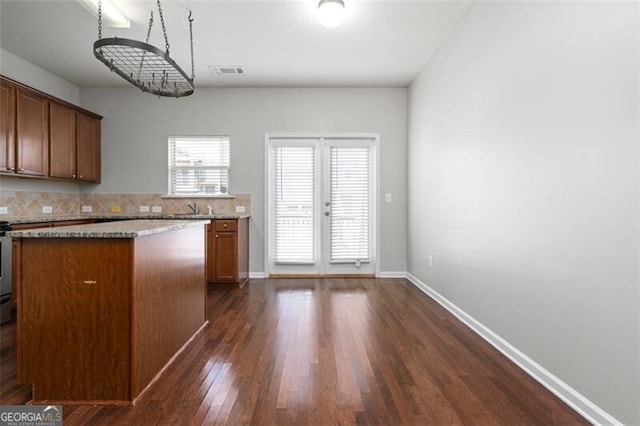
(566, 393)
(392, 274)
(385, 274)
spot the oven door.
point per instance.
(5, 279)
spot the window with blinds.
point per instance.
(199, 165)
(294, 168)
(349, 185)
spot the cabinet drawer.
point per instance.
(225, 225)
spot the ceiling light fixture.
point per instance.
(112, 16)
(331, 13)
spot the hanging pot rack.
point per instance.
(144, 65)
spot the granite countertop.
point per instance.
(184, 216)
(120, 229)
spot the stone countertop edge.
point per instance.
(120, 229)
(171, 216)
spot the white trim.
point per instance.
(566, 393)
(391, 274)
(257, 275)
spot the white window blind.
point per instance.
(294, 204)
(350, 208)
(199, 165)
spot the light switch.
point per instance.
(144, 209)
(240, 209)
(4, 210)
(87, 209)
(156, 209)
(47, 209)
(387, 197)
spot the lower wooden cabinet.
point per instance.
(16, 253)
(99, 318)
(228, 251)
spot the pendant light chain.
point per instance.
(99, 19)
(164, 30)
(193, 73)
(150, 24)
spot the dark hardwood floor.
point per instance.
(325, 351)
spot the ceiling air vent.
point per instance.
(227, 70)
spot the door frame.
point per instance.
(322, 135)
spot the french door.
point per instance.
(321, 205)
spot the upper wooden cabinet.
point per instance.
(24, 132)
(88, 147)
(32, 134)
(74, 144)
(62, 142)
(7, 127)
(42, 136)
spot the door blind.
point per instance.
(199, 165)
(350, 208)
(294, 204)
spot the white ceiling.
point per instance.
(279, 43)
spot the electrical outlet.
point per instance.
(430, 261)
(156, 209)
(47, 209)
(4, 210)
(144, 209)
(87, 209)
(240, 209)
(116, 209)
(387, 197)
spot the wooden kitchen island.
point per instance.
(103, 308)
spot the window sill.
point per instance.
(198, 196)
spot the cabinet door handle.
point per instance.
(12, 169)
(89, 281)
(73, 176)
(21, 170)
(79, 176)
(216, 235)
(225, 225)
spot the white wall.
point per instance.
(136, 126)
(523, 185)
(27, 73)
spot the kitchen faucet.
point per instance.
(193, 207)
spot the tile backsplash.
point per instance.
(130, 204)
(23, 204)
(30, 204)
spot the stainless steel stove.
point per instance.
(5, 273)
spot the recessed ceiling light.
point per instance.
(331, 13)
(111, 16)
